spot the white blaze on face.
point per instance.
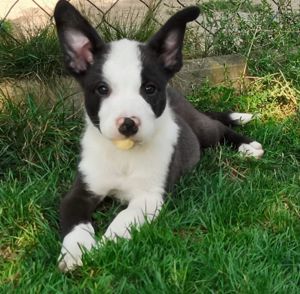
(122, 72)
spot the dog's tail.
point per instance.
(231, 118)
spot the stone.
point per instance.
(215, 70)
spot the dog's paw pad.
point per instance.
(253, 149)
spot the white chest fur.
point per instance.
(126, 174)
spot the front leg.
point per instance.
(75, 219)
(140, 209)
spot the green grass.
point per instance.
(30, 54)
(231, 226)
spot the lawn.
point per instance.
(232, 225)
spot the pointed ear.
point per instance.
(167, 43)
(78, 39)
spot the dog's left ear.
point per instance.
(167, 43)
(78, 39)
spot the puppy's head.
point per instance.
(124, 82)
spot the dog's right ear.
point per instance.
(78, 39)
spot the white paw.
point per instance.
(79, 239)
(253, 149)
(239, 118)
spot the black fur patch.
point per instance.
(153, 72)
(90, 83)
(77, 206)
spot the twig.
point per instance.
(249, 51)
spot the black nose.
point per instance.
(128, 127)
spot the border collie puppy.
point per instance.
(127, 98)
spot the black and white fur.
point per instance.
(126, 90)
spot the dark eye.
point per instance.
(102, 90)
(150, 89)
